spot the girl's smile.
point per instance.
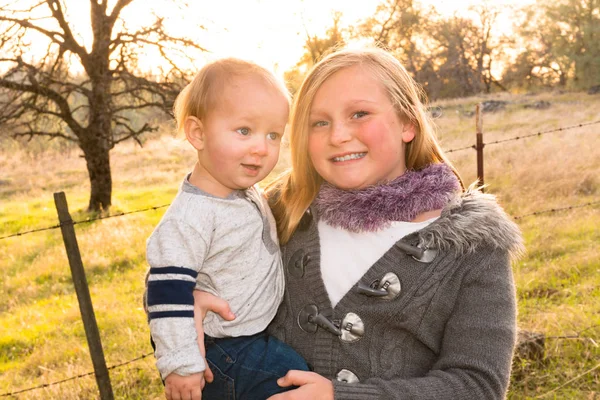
(349, 157)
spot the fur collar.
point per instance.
(375, 207)
(470, 220)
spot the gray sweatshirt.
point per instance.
(438, 325)
(227, 247)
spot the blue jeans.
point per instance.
(247, 367)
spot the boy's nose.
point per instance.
(259, 147)
(339, 134)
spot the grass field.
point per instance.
(42, 339)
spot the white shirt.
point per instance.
(347, 256)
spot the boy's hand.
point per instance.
(204, 302)
(179, 387)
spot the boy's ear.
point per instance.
(194, 132)
(408, 133)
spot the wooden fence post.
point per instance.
(479, 146)
(83, 297)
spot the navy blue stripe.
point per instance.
(170, 292)
(174, 270)
(170, 314)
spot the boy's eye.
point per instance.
(243, 131)
(359, 114)
(273, 136)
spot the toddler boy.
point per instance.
(219, 236)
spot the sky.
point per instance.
(273, 32)
(270, 32)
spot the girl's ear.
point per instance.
(408, 133)
(194, 132)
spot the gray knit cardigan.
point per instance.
(444, 330)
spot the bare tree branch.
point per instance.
(69, 40)
(56, 37)
(35, 88)
(117, 11)
(50, 135)
(132, 133)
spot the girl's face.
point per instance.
(356, 138)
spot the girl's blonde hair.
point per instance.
(203, 94)
(293, 192)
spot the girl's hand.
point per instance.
(312, 386)
(204, 302)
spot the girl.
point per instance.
(398, 281)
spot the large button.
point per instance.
(347, 376)
(352, 328)
(428, 256)
(304, 223)
(420, 254)
(391, 284)
(297, 264)
(309, 319)
(386, 288)
(305, 317)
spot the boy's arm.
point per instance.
(174, 252)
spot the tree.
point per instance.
(86, 95)
(315, 48)
(449, 56)
(397, 25)
(561, 41)
(465, 49)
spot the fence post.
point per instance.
(479, 146)
(83, 297)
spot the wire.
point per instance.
(541, 133)
(552, 210)
(564, 128)
(32, 231)
(84, 221)
(45, 385)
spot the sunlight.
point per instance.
(269, 32)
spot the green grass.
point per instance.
(42, 339)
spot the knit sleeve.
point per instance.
(477, 345)
(175, 252)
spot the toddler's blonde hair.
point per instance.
(202, 95)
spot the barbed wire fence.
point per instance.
(564, 128)
(89, 220)
(46, 385)
(578, 336)
(85, 221)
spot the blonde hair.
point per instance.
(293, 192)
(203, 93)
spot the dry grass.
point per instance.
(41, 335)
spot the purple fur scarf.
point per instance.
(374, 207)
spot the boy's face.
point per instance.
(242, 135)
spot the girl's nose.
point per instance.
(340, 134)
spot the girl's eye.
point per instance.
(319, 124)
(359, 114)
(243, 131)
(273, 136)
